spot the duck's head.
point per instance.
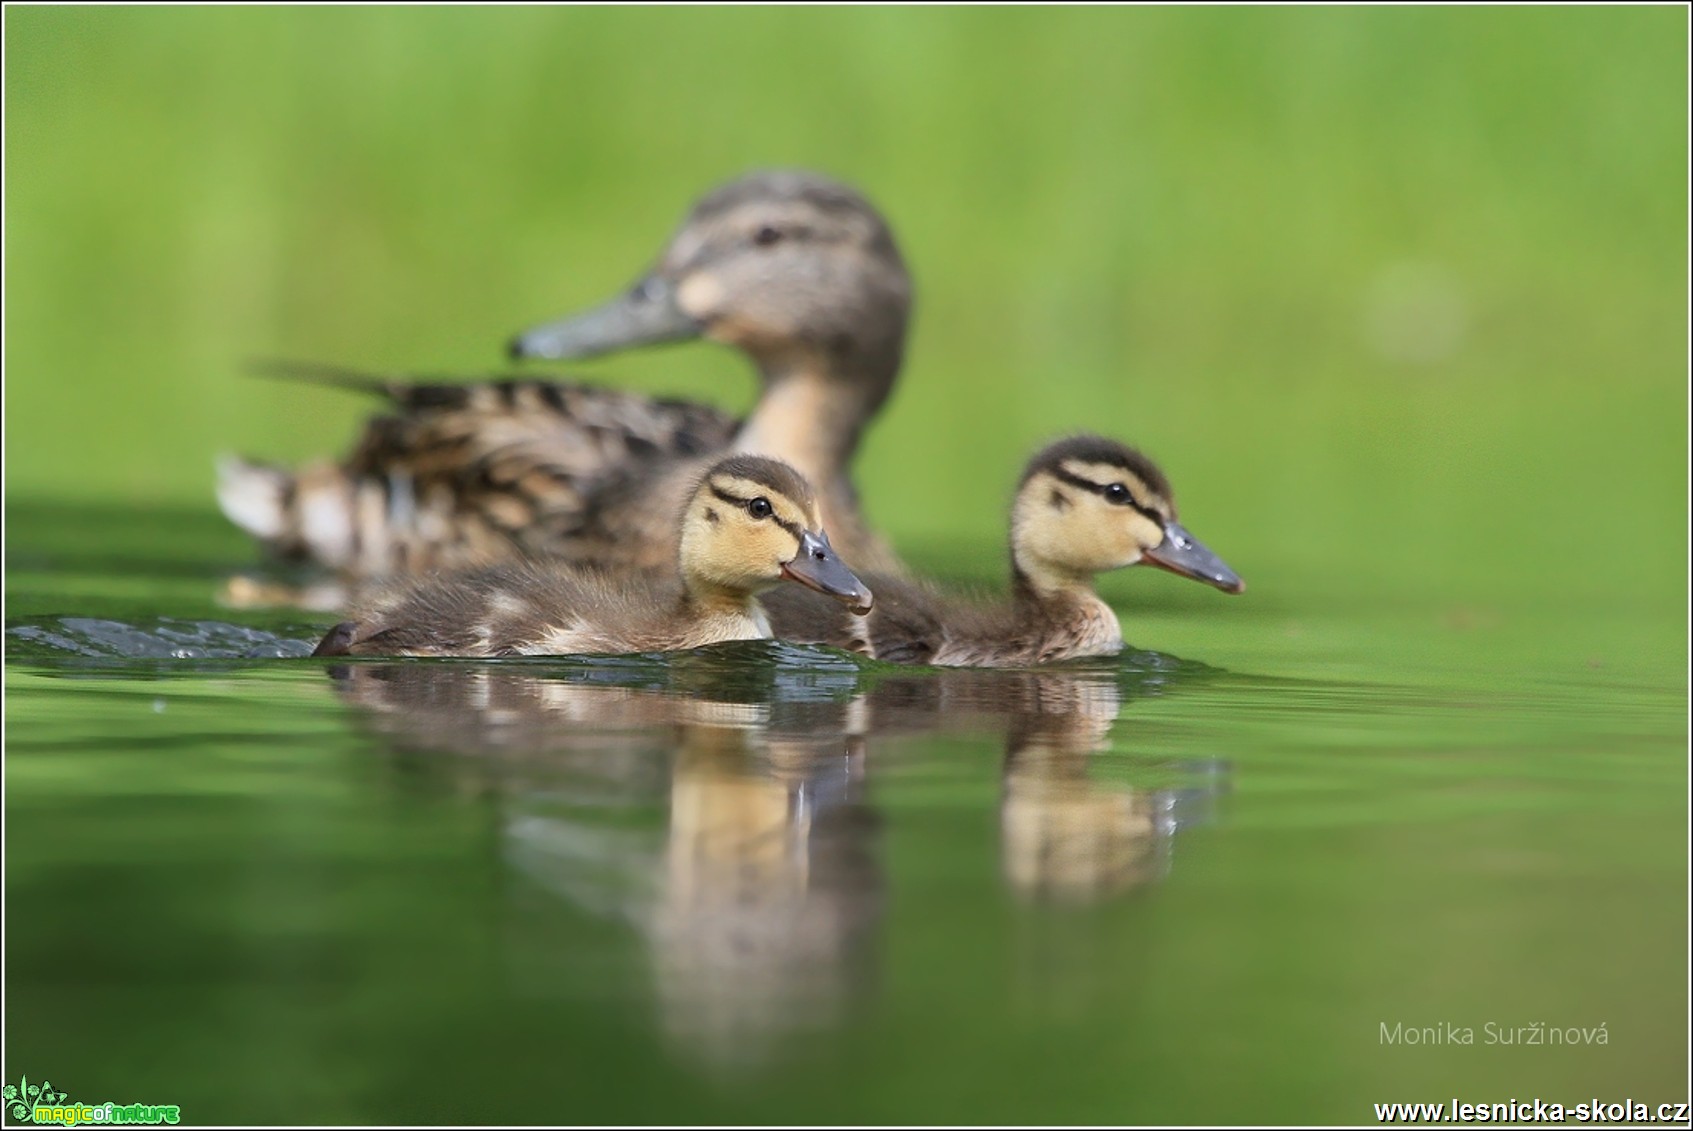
(753, 522)
(1087, 505)
(798, 271)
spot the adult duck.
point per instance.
(798, 272)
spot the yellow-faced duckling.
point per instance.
(750, 523)
(1085, 505)
(796, 271)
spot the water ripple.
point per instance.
(164, 638)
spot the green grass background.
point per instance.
(1398, 297)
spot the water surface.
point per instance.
(761, 883)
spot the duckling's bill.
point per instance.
(647, 314)
(1180, 552)
(816, 566)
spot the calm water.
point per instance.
(765, 883)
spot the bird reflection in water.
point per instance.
(761, 897)
(1066, 833)
(772, 883)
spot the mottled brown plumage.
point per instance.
(751, 522)
(1084, 505)
(798, 272)
(463, 474)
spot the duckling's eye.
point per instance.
(766, 235)
(1119, 494)
(760, 507)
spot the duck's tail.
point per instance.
(490, 394)
(388, 387)
(361, 522)
(309, 514)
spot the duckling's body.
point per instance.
(1085, 505)
(916, 622)
(545, 609)
(750, 523)
(798, 272)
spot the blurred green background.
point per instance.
(1398, 297)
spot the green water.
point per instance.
(762, 883)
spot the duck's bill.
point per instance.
(646, 315)
(1182, 553)
(817, 567)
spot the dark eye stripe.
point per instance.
(737, 501)
(1100, 488)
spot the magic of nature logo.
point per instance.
(42, 1103)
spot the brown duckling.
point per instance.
(796, 271)
(1085, 505)
(750, 523)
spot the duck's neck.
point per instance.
(1072, 618)
(718, 614)
(812, 417)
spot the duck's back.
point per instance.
(521, 608)
(457, 475)
(915, 622)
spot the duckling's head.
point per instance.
(1087, 505)
(753, 522)
(796, 270)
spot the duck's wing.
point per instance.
(462, 473)
(907, 623)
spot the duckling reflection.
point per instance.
(1065, 834)
(759, 894)
(771, 888)
(716, 803)
(497, 729)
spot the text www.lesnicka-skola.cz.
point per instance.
(1534, 1111)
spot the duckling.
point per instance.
(1084, 505)
(796, 271)
(750, 523)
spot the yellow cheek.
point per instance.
(1142, 535)
(1115, 537)
(1120, 547)
(759, 550)
(1127, 548)
(774, 548)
